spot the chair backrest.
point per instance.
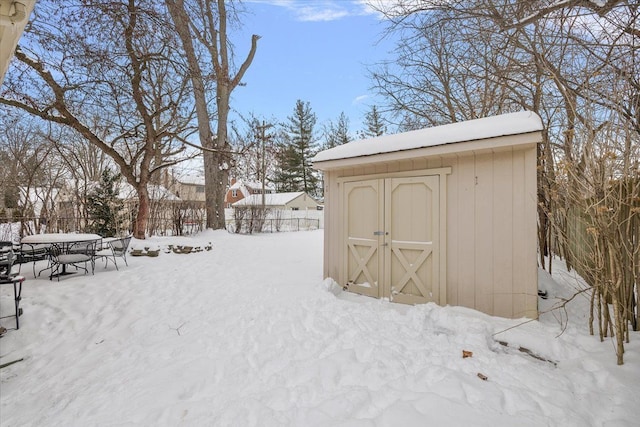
(35, 250)
(7, 258)
(55, 250)
(87, 248)
(120, 246)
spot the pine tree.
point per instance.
(337, 133)
(374, 124)
(298, 147)
(103, 205)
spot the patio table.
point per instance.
(63, 240)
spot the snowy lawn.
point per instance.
(248, 334)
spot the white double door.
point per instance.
(391, 237)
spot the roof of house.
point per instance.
(489, 127)
(156, 192)
(191, 179)
(275, 199)
(255, 185)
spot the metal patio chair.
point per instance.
(115, 248)
(7, 258)
(33, 253)
(73, 254)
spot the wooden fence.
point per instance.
(598, 236)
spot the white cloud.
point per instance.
(359, 99)
(322, 13)
(365, 6)
(321, 10)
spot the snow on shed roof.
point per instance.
(275, 199)
(489, 127)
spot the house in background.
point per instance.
(239, 189)
(445, 214)
(297, 201)
(189, 188)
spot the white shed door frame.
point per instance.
(394, 235)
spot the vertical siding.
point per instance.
(453, 233)
(491, 257)
(529, 261)
(519, 234)
(503, 285)
(382, 168)
(464, 220)
(484, 232)
(434, 163)
(418, 164)
(333, 250)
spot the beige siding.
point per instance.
(303, 202)
(503, 232)
(490, 214)
(529, 261)
(464, 220)
(484, 233)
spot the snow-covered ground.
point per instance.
(248, 334)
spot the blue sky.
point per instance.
(313, 50)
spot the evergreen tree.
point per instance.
(103, 205)
(410, 122)
(374, 124)
(337, 133)
(298, 147)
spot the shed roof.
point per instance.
(489, 127)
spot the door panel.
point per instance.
(412, 209)
(363, 217)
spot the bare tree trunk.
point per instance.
(216, 147)
(142, 218)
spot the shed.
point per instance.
(444, 214)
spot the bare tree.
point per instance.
(32, 173)
(576, 63)
(204, 23)
(107, 70)
(256, 150)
